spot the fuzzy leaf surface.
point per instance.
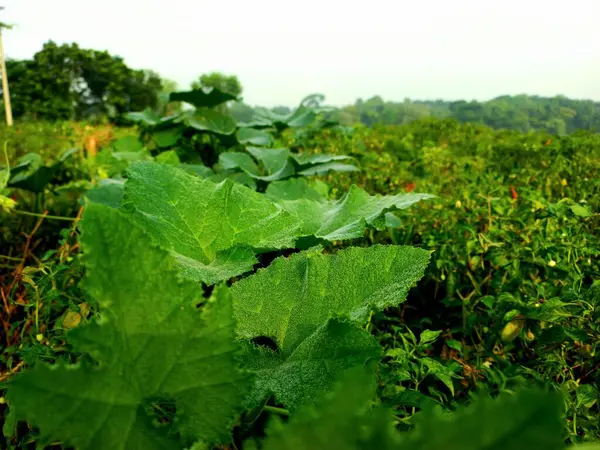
(151, 343)
(312, 367)
(341, 419)
(212, 229)
(348, 217)
(293, 300)
(528, 420)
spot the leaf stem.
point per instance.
(27, 213)
(275, 410)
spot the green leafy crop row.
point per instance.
(248, 305)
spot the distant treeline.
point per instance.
(67, 82)
(558, 115)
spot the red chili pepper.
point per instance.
(410, 187)
(513, 193)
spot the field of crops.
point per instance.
(292, 283)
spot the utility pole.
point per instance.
(7, 108)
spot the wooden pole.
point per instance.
(7, 108)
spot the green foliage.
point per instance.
(513, 282)
(342, 418)
(292, 300)
(437, 321)
(558, 115)
(211, 228)
(281, 163)
(68, 82)
(346, 218)
(28, 172)
(151, 345)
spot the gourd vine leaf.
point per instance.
(298, 188)
(253, 136)
(346, 218)
(203, 97)
(210, 120)
(151, 345)
(281, 163)
(310, 368)
(212, 229)
(293, 300)
(108, 192)
(527, 420)
(341, 419)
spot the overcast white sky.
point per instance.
(282, 50)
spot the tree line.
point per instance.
(558, 115)
(67, 82)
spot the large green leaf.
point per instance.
(310, 368)
(342, 419)
(281, 163)
(29, 173)
(212, 121)
(251, 136)
(346, 218)
(292, 300)
(297, 188)
(212, 229)
(152, 345)
(149, 119)
(108, 192)
(202, 97)
(239, 160)
(528, 420)
(146, 117)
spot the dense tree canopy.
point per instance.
(68, 82)
(558, 114)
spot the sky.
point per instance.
(345, 49)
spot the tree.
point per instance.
(68, 82)
(226, 83)
(218, 80)
(165, 106)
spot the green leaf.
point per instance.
(529, 420)
(251, 136)
(152, 344)
(441, 372)
(29, 173)
(323, 169)
(294, 189)
(5, 173)
(428, 336)
(342, 419)
(301, 117)
(146, 117)
(203, 97)
(580, 211)
(312, 367)
(127, 144)
(168, 157)
(167, 137)
(239, 160)
(197, 169)
(413, 399)
(456, 345)
(210, 120)
(291, 300)
(108, 192)
(348, 217)
(212, 229)
(307, 159)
